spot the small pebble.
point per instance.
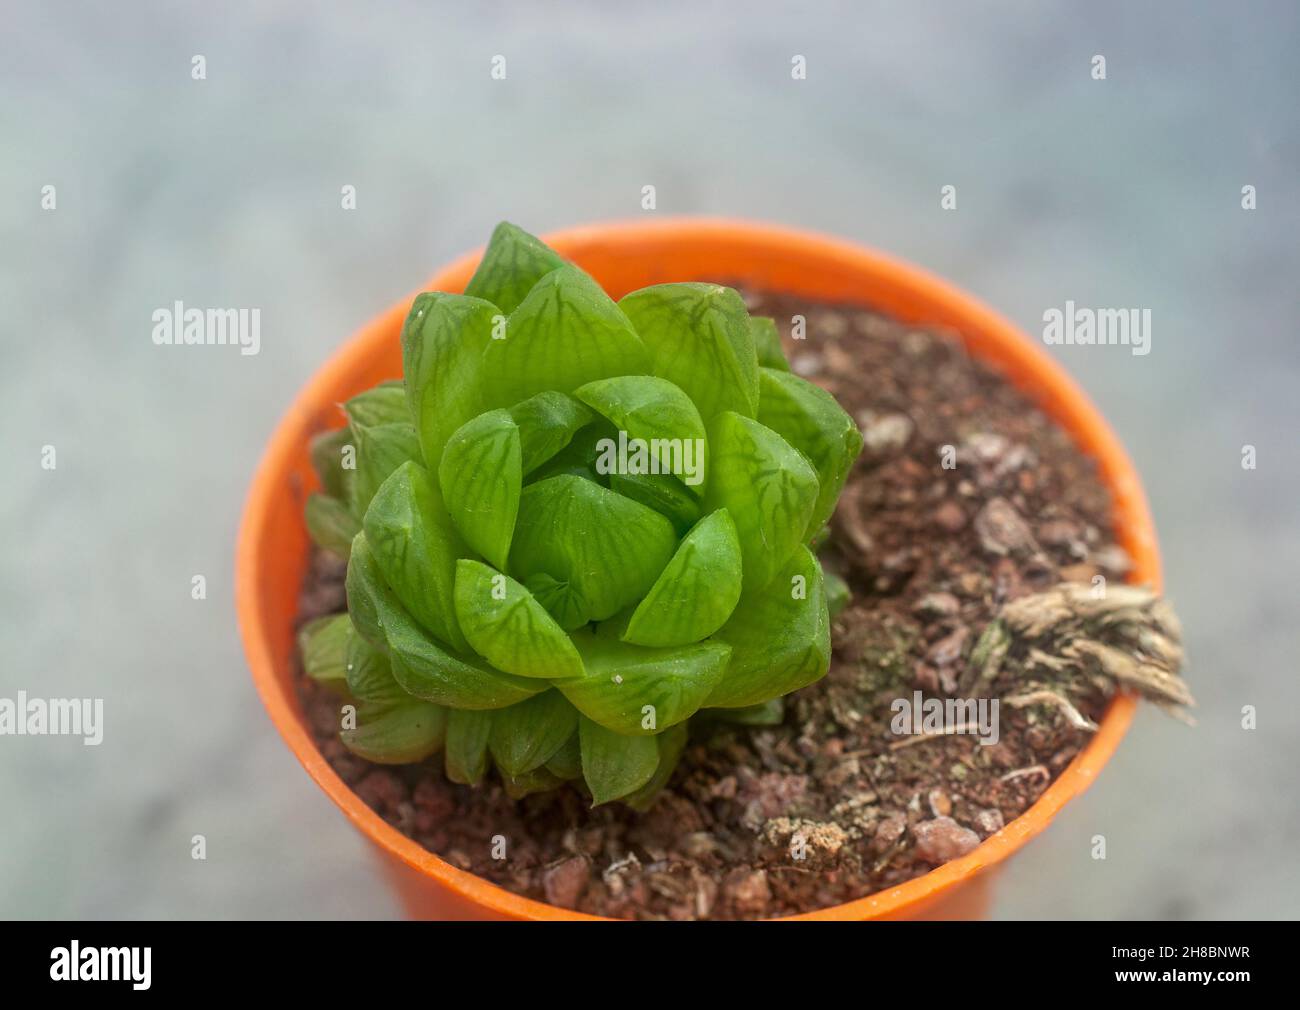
(916, 343)
(1002, 530)
(889, 831)
(938, 605)
(989, 821)
(724, 788)
(947, 650)
(1112, 558)
(831, 324)
(942, 839)
(949, 516)
(1058, 532)
(748, 891)
(566, 882)
(983, 447)
(807, 364)
(885, 434)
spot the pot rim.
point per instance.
(894, 286)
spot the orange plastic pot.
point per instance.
(273, 546)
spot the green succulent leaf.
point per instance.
(615, 765)
(370, 675)
(481, 474)
(838, 593)
(767, 345)
(539, 780)
(812, 421)
(666, 495)
(780, 637)
(526, 736)
(547, 423)
(416, 546)
(323, 644)
(443, 341)
(633, 690)
(601, 551)
(330, 524)
(769, 489)
(671, 743)
(768, 713)
(697, 591)
(396, 735)
(566, 763)
(578, 458)
(699, 338)
(552, 594)
(379, 451)
(512, 264)
(326, 452)
(424, 668)
(507, 626)
(367, 594)
(657, 413)
(432, 673)
(466, 747)
(382, 404)
(565, 333)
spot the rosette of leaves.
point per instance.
(516, 602)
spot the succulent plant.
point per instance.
(576, 524)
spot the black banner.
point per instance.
(136, 959)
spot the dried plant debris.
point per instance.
(1115, 636)
(970, 536)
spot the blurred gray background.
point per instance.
(226, 192)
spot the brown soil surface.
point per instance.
(831, 805)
